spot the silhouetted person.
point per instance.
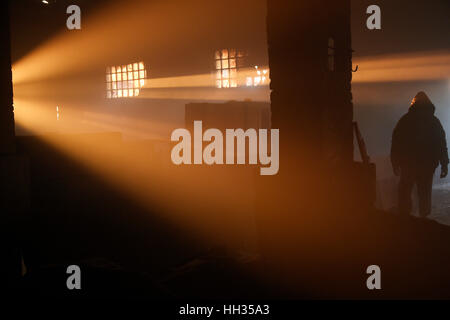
(418, 146)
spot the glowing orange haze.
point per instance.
(404, 67)
(219, 203)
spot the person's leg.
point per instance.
(424, 190)
(404, 191)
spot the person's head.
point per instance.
(422, 103)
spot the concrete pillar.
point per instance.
(309, 101)
(14, 176)
(6, 91)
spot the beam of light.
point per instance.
(201, 87)
(130, 128)
(392, 94)
(198, 80)
(115, 33)
(403, 67)
(260, 94)
(215, 202)
(187, 197)
(72, 52)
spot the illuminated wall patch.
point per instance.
(260, 78)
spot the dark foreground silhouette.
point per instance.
(124, 251)
(418, 147)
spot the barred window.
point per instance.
(227, 62)
(125, 81)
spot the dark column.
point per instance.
(13, 170)
(310, 58)
(308, 99)
(312, 106)
(6, 91)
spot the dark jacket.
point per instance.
(418, 141)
